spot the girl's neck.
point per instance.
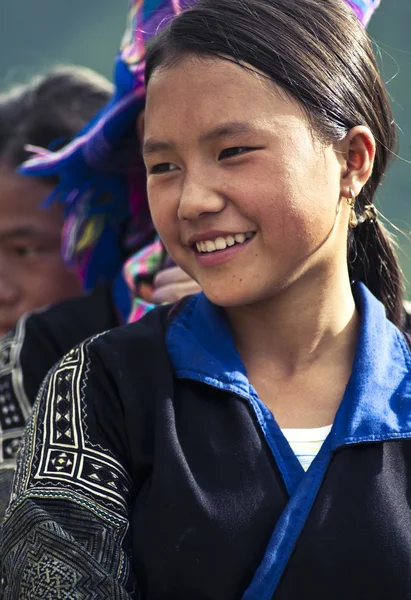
(298, 326)
(298, 349)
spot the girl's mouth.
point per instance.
(211, 253)
(221, 243)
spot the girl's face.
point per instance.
(244, 196)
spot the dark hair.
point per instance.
(49, 110)
(319, 53)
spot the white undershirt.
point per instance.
(306, 443)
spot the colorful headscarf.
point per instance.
(102, 179)
(364, 9)
(101, 174)
(139, 271)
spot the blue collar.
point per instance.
(375, 404)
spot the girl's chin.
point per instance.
(231, 298)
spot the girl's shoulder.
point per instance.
(137, 340)
(132, 357)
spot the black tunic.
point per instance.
(152, 470)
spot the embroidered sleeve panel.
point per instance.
(59, 549)
(15, 406)
(68, 516)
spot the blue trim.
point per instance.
(288, 530)
(200, 345)
(376, 406)
(382, 362)
(290, 467)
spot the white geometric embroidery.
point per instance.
(61, 461)
(66, 457)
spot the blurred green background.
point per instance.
(38, 34)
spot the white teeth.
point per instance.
(221, 243)
(210, 246)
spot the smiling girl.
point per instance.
(253, 442)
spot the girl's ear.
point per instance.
(140, 126)
(358, 149)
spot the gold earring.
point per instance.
(353, 222)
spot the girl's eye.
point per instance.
(231, 152)
(163, 168)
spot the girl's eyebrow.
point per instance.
(230, 128)
(151, 145)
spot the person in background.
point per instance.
(161, 461)
(48, 111)
(106, 224)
